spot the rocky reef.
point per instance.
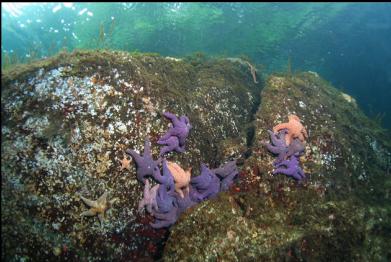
(66, 123)
(340, 211)
(68, 120)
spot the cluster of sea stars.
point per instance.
(176, 189)
(287, 142)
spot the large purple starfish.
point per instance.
(145, 164)
(292, 168)
(180, 128)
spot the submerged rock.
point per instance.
(340, 155)
(66, 123)
(339, 211)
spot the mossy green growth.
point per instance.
(295, 224)
(345, 150)
(336, 213)
(66, 123)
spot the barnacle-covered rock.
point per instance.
(66, 123)
(342, 210)
(284, 225)
(345, 150)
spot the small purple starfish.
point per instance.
(149, 200)
(145, 164)
(180, 128)
(172, 144)
(292, 168)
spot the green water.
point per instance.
(347, 43)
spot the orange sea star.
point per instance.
(125, 163)
(181, 178)
(295, 129)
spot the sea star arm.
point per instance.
(164, 202)
(203, 180)
(304, 131)
(272, 149)
(147, 147)
(165, 219)
(171, 143)
(88, 213)
(173, 118)
(101, 218)
(227, 181)
(137, 158)
(274, 138)
(89, 202)
(166, 136)
(141, 205)
(280, 126)
(226, 169)
(102, 198)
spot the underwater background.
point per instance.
(347, 43)
(196, 132)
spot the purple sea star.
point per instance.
(292, 168)
(145, 164)
(166, 179)
(186, 202)
(165, 219)
(206, 186)
(180, 128)
(227, 181)
(226, 169)
(165, 199)
(203, 180)
(296, 147)
(149, 200)
(172, 144)
(278, 145)
(227, 174)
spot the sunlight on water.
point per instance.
(196, 131)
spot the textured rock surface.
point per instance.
(342, 211)
(345, 150)
(66, 122)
